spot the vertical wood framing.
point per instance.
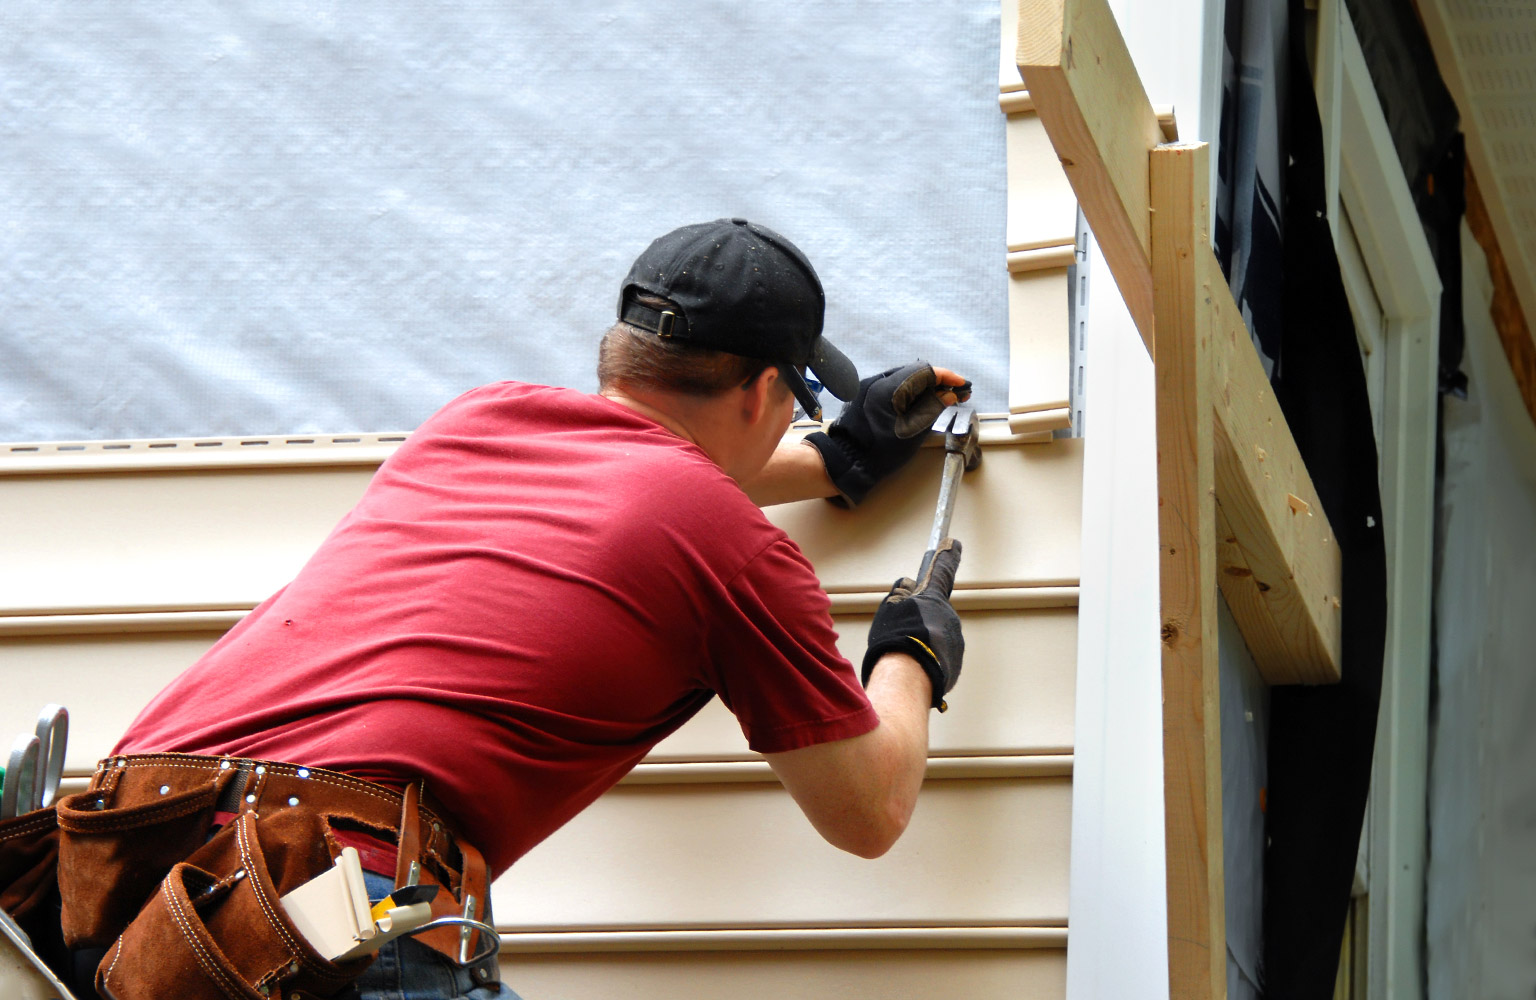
(1090, 99)
(1279, 559)
(1186, 522)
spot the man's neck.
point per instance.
(662, 417)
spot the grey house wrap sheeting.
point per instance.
(293, 217)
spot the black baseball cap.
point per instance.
(738, 287)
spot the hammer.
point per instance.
(962, 452)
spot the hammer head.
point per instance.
(962, 433)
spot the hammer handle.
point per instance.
(949, 489)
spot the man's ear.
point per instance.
(760, 394)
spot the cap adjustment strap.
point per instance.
(662, 322)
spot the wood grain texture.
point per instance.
(1090, 99)
(1280, 569)
(1187, 546)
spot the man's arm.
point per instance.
(859, 793)
(795, 472)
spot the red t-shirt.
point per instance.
(535, 588)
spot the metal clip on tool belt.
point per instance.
(138, 838)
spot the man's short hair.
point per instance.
(631, 356)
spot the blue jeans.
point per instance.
(406, 969)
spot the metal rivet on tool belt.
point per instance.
(293, 800)
(121, 762)
(165, 789)
(223, 765)
(250, 798)
(303, 772)
(481, 972)
(260, 769)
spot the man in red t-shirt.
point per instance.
(541, 584)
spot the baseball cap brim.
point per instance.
(834, 369)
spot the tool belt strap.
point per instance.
(425, 844)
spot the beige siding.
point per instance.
(1025, 707)
(803, 975)
(989, 852)
(123, 575)
(1017, 517)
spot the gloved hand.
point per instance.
(916, 618)
(880, 428)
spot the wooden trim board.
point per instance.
(1281, 570)
(1187, 547)
(1281, 567)
(1090, 99)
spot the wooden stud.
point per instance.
(1187, 545)
(1281, 572)
(1087, 94)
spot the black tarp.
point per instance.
(1322, 738)
(1274, 238)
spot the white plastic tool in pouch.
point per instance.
(23, 975)
(332, 912)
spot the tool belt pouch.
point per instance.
(215, 928)
(111, 858)
(29, 858)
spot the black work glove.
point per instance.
(880, 428)
(916, 618)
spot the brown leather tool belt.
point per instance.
(176, 861)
